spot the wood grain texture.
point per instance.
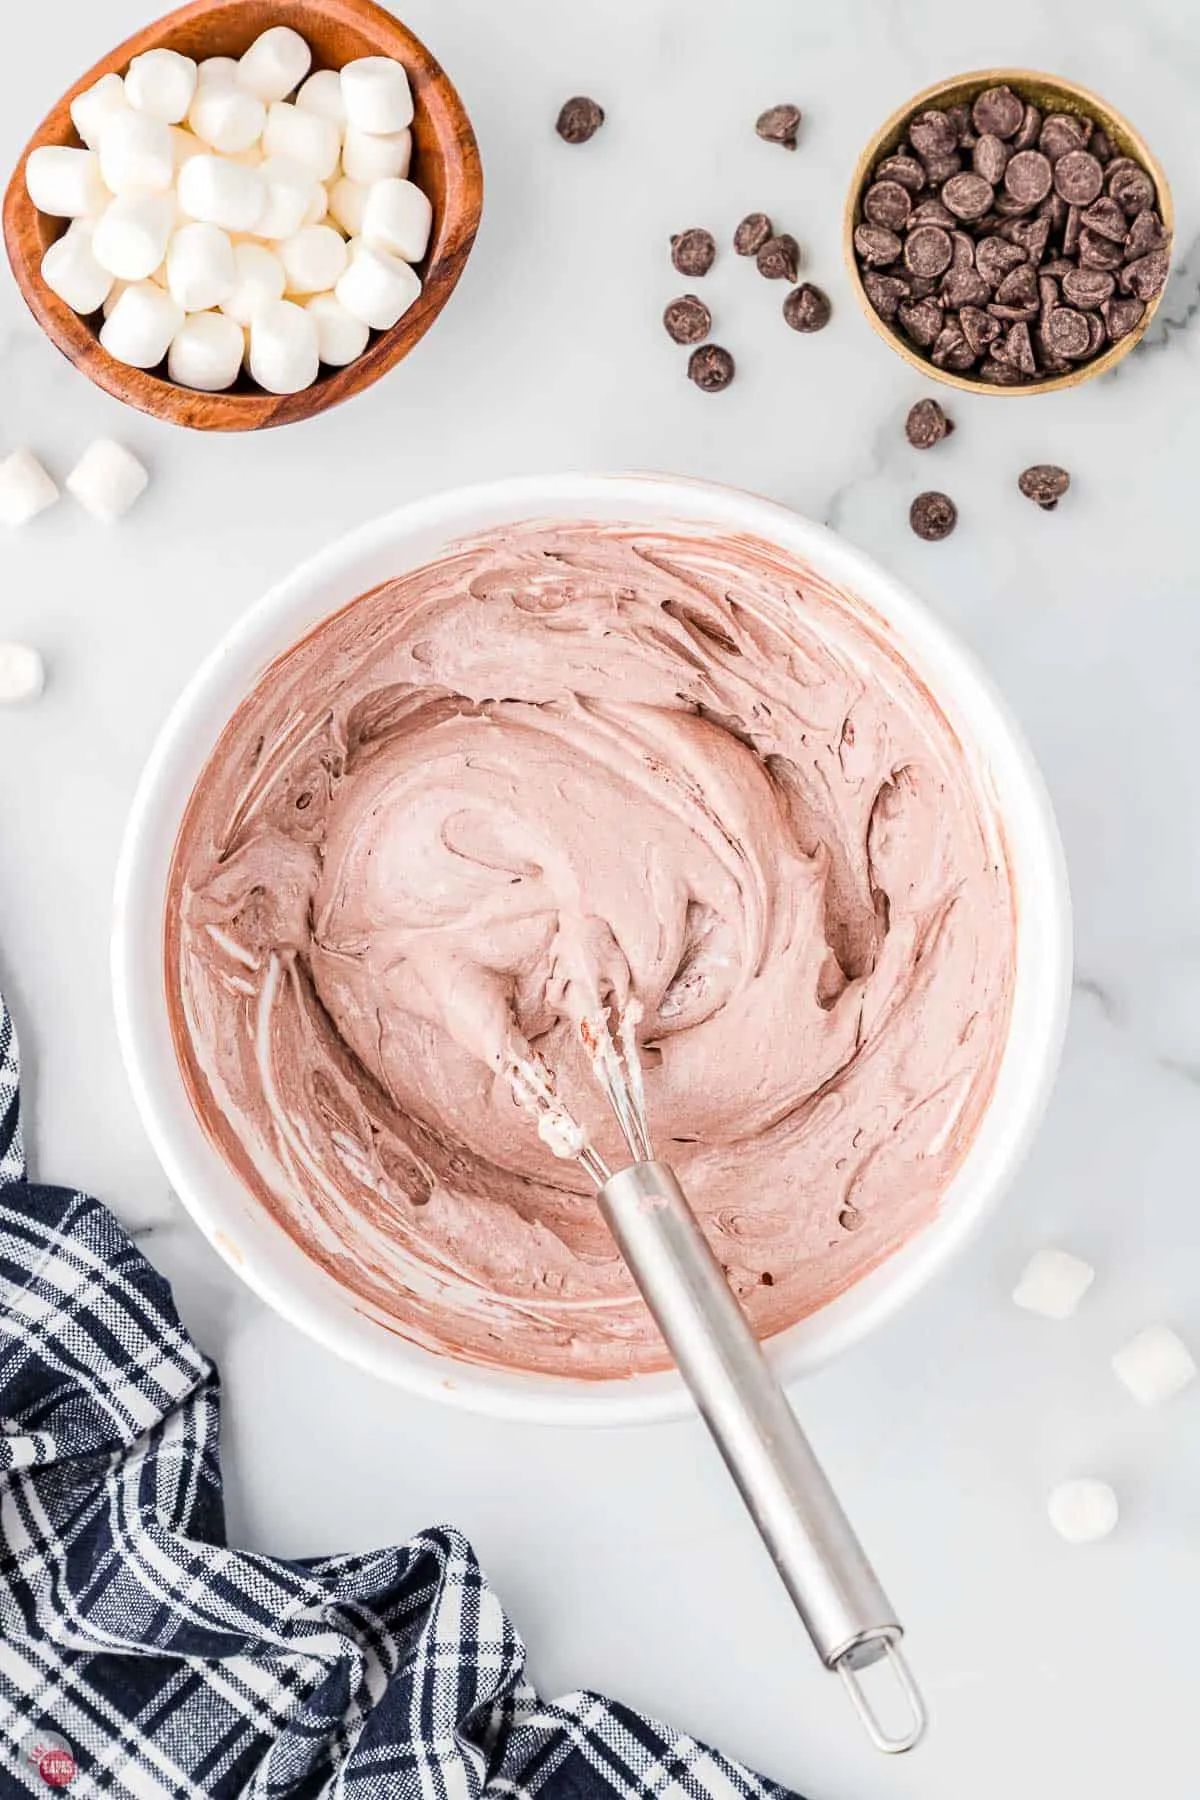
(445, 163)
(1053, 94)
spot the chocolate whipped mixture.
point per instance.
(579, 761)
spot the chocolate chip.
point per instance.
(1106, 219)
(1120, 317)
(990, 157)
(933, 516)
(904, 169)
(1008, 207)
(779, 258)
(927, 250)
(1014, 313)
(779, 125)
(951, 349)
(1066, 332)
(933, 135)
(1146, 233)
(753, 233)
(876, 246)
(959, 120)
(767, 1279)
(940, 169)
(1028, 177)
(1097, 252)
(967, 196)
(1044, 484)
(1030, 129)
(1097, 336)
(579, 119)
(964, 286)
(931, 212)
(1146, 277)
(687, 320)
(979, 328)
(807, 308)
(1063, 132)
(921, 319)
(711, 368)
(1017, 347)
(885, 292)
(1132, 189)
(1072, 228)
(926, 425)
(1048, 291)
(998, 111)
(1117, 164)
(1055, 209)
(1029, 235)
(1101, 146)
(693, 251)
(1000, 374)
(994, 257)
(888, 203)
(1088, 287)
(1078, 177)
(1019, 287)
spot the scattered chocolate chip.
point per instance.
(693, 251)
(1044, 484)
(779, 125)
(579, 119)
(1030, 129)
(885, 292)
(904, 169)
(876, 246)
(1028, 177)
(968, 196)
(1120, 317)
(933, 135)
(888, 203)
(807, 308)
(933, 516)
(1132, 189)
(1066, 332)
(1088, 287)
(687, 320)
(990, 157)
(928, 250)
(753, 233)
(779, 258)
(921, 319)
(926, 425)
(998, 111)
(1078, 177)
(711, 368)
(1147, 276)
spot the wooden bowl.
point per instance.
(445, 163)
(1053, 94)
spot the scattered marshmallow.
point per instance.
(206, 352)
(289, 192)
(283, 348)
(161, 83)
(377, 95)
(377, 287)
(200, 267)
(130, 237)
(1053, 1284)
(259, 279)
(226, 117)
(305, 136)
(322, 94)
(313, 259)
(276, 62)
(369, 158)
(136, 154)
(398, 216)
(139, 329)
(1155, 1365)
(26, 489)
(70, 270)
(347, 200)
(1083, 1511)
(97, 104)
(65, 183)
(22, 674)
(217, 191)
(341, 338)
(107, 480)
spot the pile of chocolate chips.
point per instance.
(1009, 244)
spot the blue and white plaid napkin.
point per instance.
(143, 1659)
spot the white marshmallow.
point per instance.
(318, 206)
(139, 329)
(1083, 1511)
(313, 259)
(65, 183)
(1155, 1365)
(347, 200)
(130, 236)
(275, 63)
(220, 192)
(26, 489)
(398, 216)
(341, 339)
(107, 480)
(260, 281)
(368, 158)
(289, 192)
(136, 154)
(95, 105)
(200, 267)
(305, 136)
(114, 294)
(1053, 1284)
(213, 71)
(185, 145)
(283, 348)
(376, 286)
(322, 94)
(377, 95)
(206, 352)
(161, 83)
(226, 117)
(22, 674)
(70, 270)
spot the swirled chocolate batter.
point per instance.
(570, 763)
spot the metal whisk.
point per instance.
(848, 1616)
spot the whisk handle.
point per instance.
(848, 1616)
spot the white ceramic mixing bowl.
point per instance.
(250, 1240)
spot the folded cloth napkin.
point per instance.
(141, 1657)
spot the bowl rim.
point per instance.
(1086, 100)
(244, 1234)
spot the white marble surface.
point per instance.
(1050, 1670)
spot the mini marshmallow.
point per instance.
(260, 280)
(1053, 1284)
(341, 338)
(130, 236)
(95, 105)
(399, 217)
(275, 63)
(219, 192)
(283, 348)
(22, 674)
(377, 95)
(1155, 1365)
(318, 206)
(289, 190)
(376, 286)
(161, 83)
(65, 183)
(25, 489)
(1083, 1511)
(366, 158)
(206, 352)
(226, 117)
(200, 267)
(107, 480)
(313, 259)
(114, 294)
(136, 154)
(139, 329)
(322, 94)
(347, 200)
(70, 270)
(213, 71)
(305, 136)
